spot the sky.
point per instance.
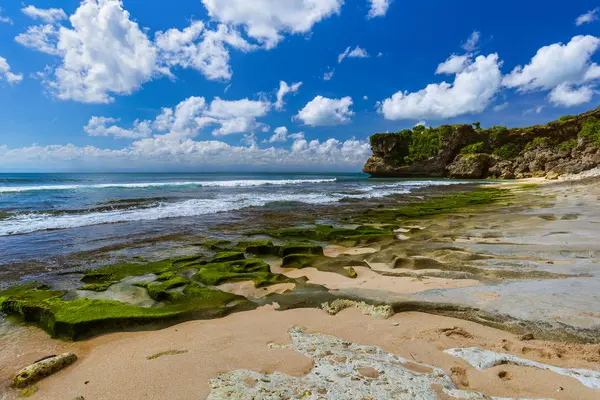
(276, 85)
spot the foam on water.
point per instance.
(32, 222)
(141, 185)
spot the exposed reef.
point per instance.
(567, 146)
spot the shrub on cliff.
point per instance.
(474, 148)
(591, 130)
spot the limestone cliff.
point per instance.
(568, 145)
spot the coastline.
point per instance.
(448, 258)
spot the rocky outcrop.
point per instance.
(566, 146)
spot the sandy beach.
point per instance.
(182, 361)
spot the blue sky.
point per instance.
(201, 78)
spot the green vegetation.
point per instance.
(300, 248)
(327, 233)
(216, 273)
(566, 118)
(228, 256)
(161, 289)
(73, 319)
(474, 148)
(508, 151)
(436, 206)
(537, 142)
(568, 145)
(495, 132)
(258, 247)
(426, 142)
(217, 244)
(591, 130)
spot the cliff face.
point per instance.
(569, 145)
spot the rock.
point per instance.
(338, 305)
(300, 248)
(552, 175)
(469, 166)
(43, 368)
(527, 336)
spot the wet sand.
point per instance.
(117, 366)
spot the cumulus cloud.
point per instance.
(201, 49)
(176, 151)
(43, 38)
(101, 126)
(569, 96)
(588, 17)
(6, 74)
(556, 64)
(105, 53)
(3, 19)
(285, 89)
(379, 8)
(48, 15)
(357, 52)
(472, 42)
(454, 64)
(323, 111)
(280, 135)
(267, 20)
(472, 91)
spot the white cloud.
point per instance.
(6, 74)
(328, 75)
(48, 15)
(201, 49)
(267, 20)
(454, 64)
(285, 89)
(557, 64)
(420, 123)
(4, 20)
(43, 38)
(537, 110)
(183, 120)
(365, 97)
(588, 17)
(104, 54)
(357, 52)
(280, 135)
(569, 96)
(379, 8)
(500, 107)
(472, 42)
(176, 151)
(472, 91)
(323, 111)
(99, 126)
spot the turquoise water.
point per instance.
(57, 213)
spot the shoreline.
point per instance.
(454, 258)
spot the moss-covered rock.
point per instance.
(228, 256)
(82, 317)
(327, 233)
(300, 248)
(42, 368)
(216, 273)
(340, 265)
(258, 247)
(217, 244)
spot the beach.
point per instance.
(408, 315)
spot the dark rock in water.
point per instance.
(569, 145)
(41, 369)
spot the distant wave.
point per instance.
(34, 222)
(236, 183)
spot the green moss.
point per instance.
(436, 206)
(216, 273)
(300, 261)
(339, 265)
(228, 256)
(116, 272)
(160, 290)
(508, 151)
(72, 319)
(259, 247)
(217, 244)
(327, 233)
(474, 148)
(28, 392)
(300, 248)
(97, 287)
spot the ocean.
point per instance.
(45, 215)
